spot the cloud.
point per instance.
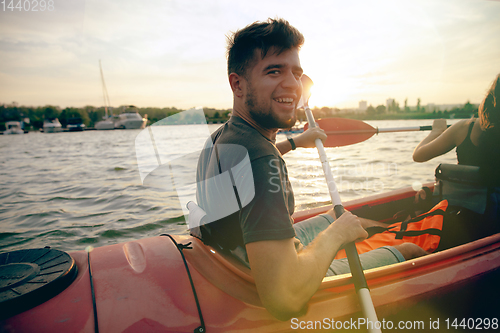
(172, 53)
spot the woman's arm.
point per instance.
(439, 141)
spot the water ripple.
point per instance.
(69, 190)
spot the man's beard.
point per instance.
(266, 119)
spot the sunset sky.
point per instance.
(164, 53)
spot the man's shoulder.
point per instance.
(237, 132)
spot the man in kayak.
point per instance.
(287, 262)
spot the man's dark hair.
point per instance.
(275, 33)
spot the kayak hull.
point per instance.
(144, 286)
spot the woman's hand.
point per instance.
(439, 126)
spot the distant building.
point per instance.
(431, 107)
(363, 105)
(388, 104)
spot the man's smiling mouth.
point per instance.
(287, 101)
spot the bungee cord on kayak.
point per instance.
(182, 247)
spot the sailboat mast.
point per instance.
(104, 91)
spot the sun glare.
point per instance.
(387, 51)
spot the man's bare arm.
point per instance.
(304, 140)
(287, 279)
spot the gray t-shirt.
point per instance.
(261, 191)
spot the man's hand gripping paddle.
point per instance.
(352, 255)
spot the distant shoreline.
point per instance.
(33, 117)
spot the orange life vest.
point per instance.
(423, 230)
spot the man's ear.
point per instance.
(237, 83)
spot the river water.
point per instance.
(72, 190)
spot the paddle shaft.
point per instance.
(352, 255)
(381, 130)
(405, 129)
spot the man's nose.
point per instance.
(291, 81)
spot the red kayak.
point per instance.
(146, 286)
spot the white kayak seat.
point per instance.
(195, 218)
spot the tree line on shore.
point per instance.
(393, 112)
(33, 117)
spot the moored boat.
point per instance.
(107, 122)
(13, 127)
(75, 124)
(52, 125)
(144, 285)
(129, 119)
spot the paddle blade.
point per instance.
(344, 132)
(307, 83)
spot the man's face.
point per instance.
(273, 89)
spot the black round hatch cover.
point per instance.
(31, 277)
